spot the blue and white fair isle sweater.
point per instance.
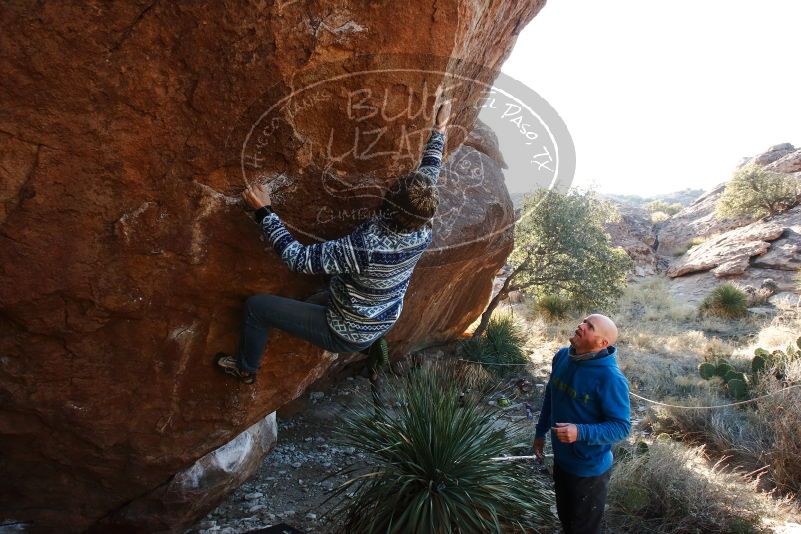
(372, 266)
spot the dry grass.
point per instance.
(662, 364)
(650, 301)
(781, 332)
(671, 488)
(780, 422)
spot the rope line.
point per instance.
(717, 405)
(658, 403)
(490, 363)
(514, 458)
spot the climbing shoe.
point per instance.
(378, 354)
(227, 364)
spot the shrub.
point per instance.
(727, 301)
(431, 467)
(552, 307)
(764, 434)
(660, 206)
(659, 217)
(756, 192)
(663, 487)
(506, 338)
(758, 297)
(501, 344)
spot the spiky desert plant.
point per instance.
(727, 301)
(552, 307)
(505, 339)
(431, 467)
(500, 348)
(706, 370)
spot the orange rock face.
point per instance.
(125, 255)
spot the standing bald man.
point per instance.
(586, 408)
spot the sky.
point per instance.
(663, 96)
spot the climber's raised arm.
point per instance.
(432, 153)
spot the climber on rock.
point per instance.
(371, 270)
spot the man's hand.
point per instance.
(539, 446)
(256, 196)
(443, 116)
(566, 432)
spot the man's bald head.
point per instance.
(594, 333)
(605, 327)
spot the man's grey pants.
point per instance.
(305, 320)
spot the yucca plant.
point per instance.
(431, 467)
(505, 339)
(552, 307)
(501, 344)
(727, 301)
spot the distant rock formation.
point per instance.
(696, 221)
(771, 155)
(125, 252)
(698, 249)
(730, 247)
(730, 253)
(684, 197)
(637, 236)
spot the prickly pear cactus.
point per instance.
(734, 375)
(738, 388)
(706, 370)
(722, 369)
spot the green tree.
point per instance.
(757, 192)
(660, 206)
(561, 248)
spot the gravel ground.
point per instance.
(295, 480)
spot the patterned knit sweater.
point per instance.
(371, 267)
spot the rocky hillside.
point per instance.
(127, 132)
(684, 197)
(699, 250)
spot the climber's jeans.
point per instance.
(305, 320)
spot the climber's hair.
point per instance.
(411, 202)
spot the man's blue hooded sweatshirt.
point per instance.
(594, 395)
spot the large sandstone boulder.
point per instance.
(729, 253)
(788, 164)
(694, 287)
(767, 244)
(125, 254)
(785, 252)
